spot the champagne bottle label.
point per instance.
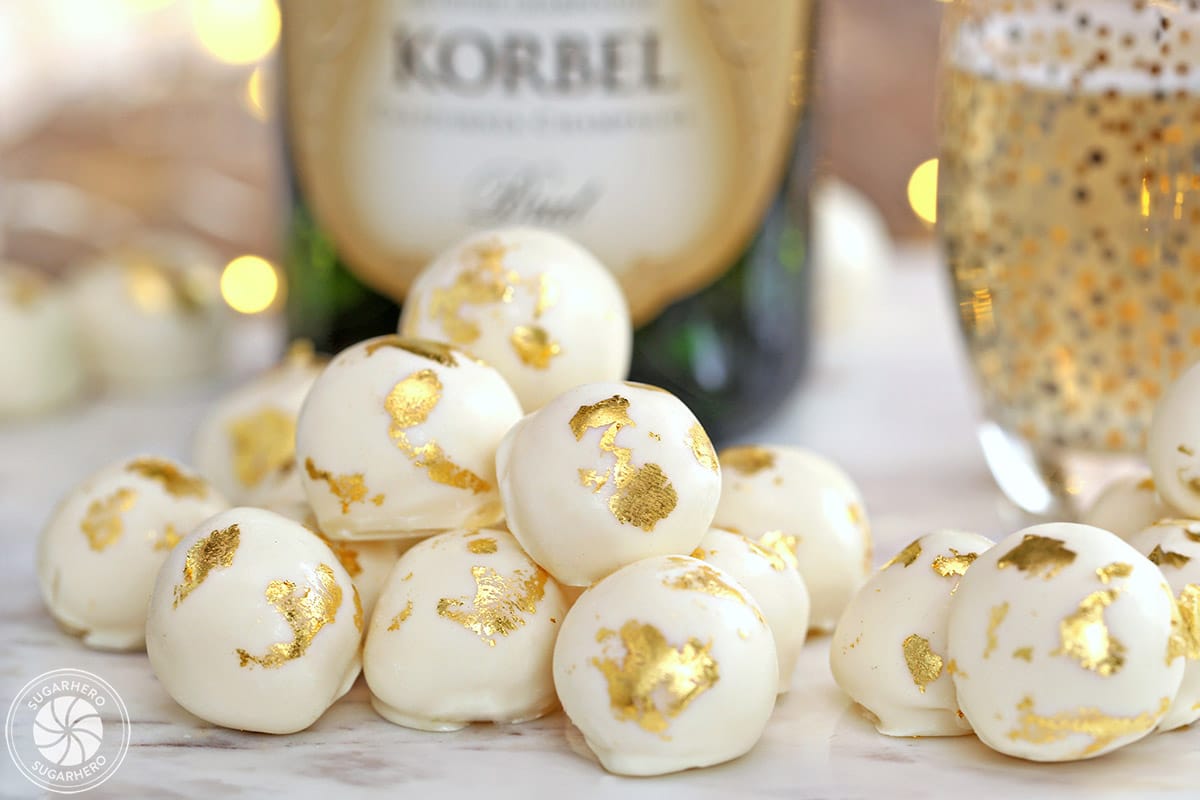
(655, 132)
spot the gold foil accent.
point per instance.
(349, 487)
(175, 481)
(358, 610)
(345, 552)
(409, 403)
(747, 459)
(482, 546)
(434, 351)
(305, 613)
(907, 556)
(214, 551)
(995, 618)
(954, 564)
(1185, 625)
(656, 682)
(780, 558)
(702, 448)
(533, 345)
(1145, 485)
(1023, 653)
(483, 282)
(1085, 636)
(1092, 722)
(952, 668)
(643, 495)
(168, 539)
(703, 578)
(785, 546)
(924, 665)
(1038, 555)
(102, 524)
(499, 604)
(1117, 569)
(262, 443)
(401, 617)
(1168, 558)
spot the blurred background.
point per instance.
(122, 115)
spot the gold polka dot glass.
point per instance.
(1069, 213)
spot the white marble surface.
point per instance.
(889, 400)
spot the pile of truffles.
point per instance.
(1061, 642)
(483, 518)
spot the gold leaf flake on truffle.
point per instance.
(924, 665)
(1168, 558)
(702, 448)
(654, 681)
(349, 488)
(103, 524)
(401, 616)
(422, 348)
(534, 346)
(1185, 624)
(1101, 728)
(409, 404)
(261, 443)
(995, 619)
(500, 602)
(1085, 636)
(1038, 555)
(482, 546)
(954, 564)
(214, 551)
(1117, 569)
(747, 459)
(786, 546)
(305, 611)
(175, 481)
(907, 556)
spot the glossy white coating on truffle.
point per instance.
(398, 437)
(1174, 545)
(606, 474)
(1126, 506)
(246, 443)
(666, 665)
(150, 315)
(1061, 644)
(40, 367)
(530, 302)
(100, 551)
(770, 574)
(254, 624)
(1173, 444)
(464, 632)
(814, 505)
(889, 648)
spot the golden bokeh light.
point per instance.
(236, 31)
(922, 190)
(250, 284)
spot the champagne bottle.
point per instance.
(669, 137)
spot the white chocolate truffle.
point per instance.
(254, 624)
(1061, 644)
(150, 315)
(398, 438)
(1173, 444)
(246, 443)
(532, 303)
(40, 368)
(889, 648)
(814, 505)
(1174, 545)
(99, 553)
(464, 632)
(1126, 506)
(666, 665)
(604, 475)
(768, 571)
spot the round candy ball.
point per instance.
(532, 303)
(40, 366)
(398, 437)
(889, 648)
(770, 574)
(665, 665)
(814, 505)
(254, 624)
(604, 475)
(1174, 545)
(150, 315)
(1061, 637)
(99, 553)
(246, 443)
(1173, 444)
(464, 632)
(1126, 506)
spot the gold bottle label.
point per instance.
(655, 132)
